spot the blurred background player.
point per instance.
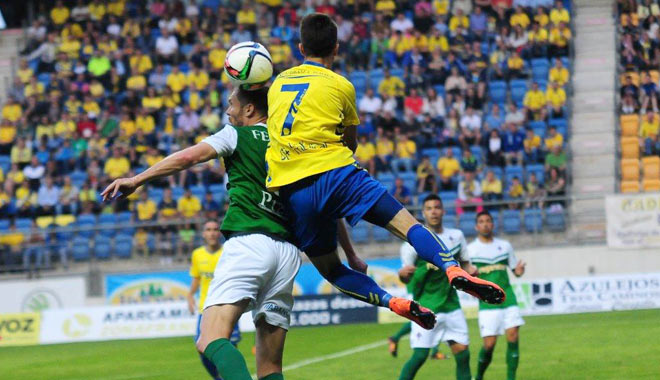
(492, 257)
(430, 287)
(202, 267)
(313, 128)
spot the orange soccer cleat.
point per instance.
(412, 310)
(482, 289)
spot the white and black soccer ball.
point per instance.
(249, 65)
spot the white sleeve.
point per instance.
(513, 260)
(463, 253)
(408, 255)
(224, 141)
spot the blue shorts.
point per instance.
(315, 203)
(234, 338)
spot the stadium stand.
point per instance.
(445, 97)
(639, 117)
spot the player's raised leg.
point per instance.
(431, 249)
(218, 322)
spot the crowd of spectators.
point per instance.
(639, 65)
(106, 88)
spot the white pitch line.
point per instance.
(336, 355)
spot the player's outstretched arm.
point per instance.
(173, 163)
(354, 261)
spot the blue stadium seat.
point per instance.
(23, 224)
(440, 90)
(496, 170)
(380, 234)
(184, 67)
(511, 221)
(457, 152)
(86, 221)
(125, 220)
(432, 153)
(199, 191)
(78, 177)
(177, 192)
(108, 224)
(449, 220)
(533, 220)
(4, 224)
(538, 170)
(155, 194)
(518, 90)
(44, 78)
(555, 221)
(218, 192)
(123, 246)
(496, 221)
(477, 152)
(466, 223)
(397, 72)
(497, 91)
(561, 125)
(375, 77)
(5, 163)
(102, 247)
(448, 199)
(540, 69)
(409, 180)
(513, 171)
(359, 80)
(386, 178)
(80, 249)
(539, 127)
(360, 233)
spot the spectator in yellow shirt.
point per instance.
(189, 205)
(176, 80)
(59, 14)
(280, 53)
(70, 46)
(24, 72)
(65, 127)
(89, 105)
(152, 102)
(7, 136)
(519, 18)
(534, 103)
(559, 14)
(365, 154)
(459, 19)
(199, 78)
(145, 208)
(405, 154)
(556, 97)
(558, 73)
(515, 66)
(438, 41)
(390, 85)
(648, 134)
(13, 239)
(516, 192)
(140, 63)
(491, 188)
(386, 7)
(117, 165)
(553, 139)
(136, 81)
(116, 7)
(246, 15)
(531, 146)
(34, 88)
(12, 110)
(448, 166)
(541, 17)
(96, 10)
(217, 56)
(127, 125)
(559, 38)
(426, 176)
(145, 122)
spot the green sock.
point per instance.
(463, 365)
(229, 362)
(403, 331)
(273, 376)
(414, 363)
(512, 356)
(484, 360)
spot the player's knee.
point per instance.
(512, 335)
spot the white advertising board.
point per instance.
(633, 220)
(43, 294)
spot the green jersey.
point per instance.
(251, 207)
(493, 259)
(429, 285)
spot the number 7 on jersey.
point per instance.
(301, 89)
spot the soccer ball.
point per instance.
(249, 65)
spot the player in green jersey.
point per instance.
(493, 257)
(257, 268)
(430, 288)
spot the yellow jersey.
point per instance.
(309, 106)
(202, 266)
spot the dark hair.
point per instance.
(433, 197)
(258, 98)
(485, 212)
(318, 34)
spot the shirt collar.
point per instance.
(313, 63)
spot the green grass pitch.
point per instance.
(617, 345)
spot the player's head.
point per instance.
(433, 210)
(318, 36)
(484, 225)
(247, 107)
(211, 233)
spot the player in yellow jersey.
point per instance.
(202, 267)
(312, 122)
